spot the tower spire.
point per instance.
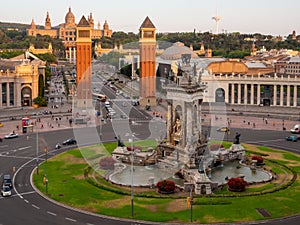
(217, 18)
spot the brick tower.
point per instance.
(147, 40)
(84, 63)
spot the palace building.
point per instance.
(67, 32)
(20, 78)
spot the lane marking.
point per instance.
(27, 193)
(16, 157)
(23, 148)
(35, 206)
(3, 146)
(72, 220)
(51, 213)
(25, 200)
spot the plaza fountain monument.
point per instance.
(185, 152)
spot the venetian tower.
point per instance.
(84, 63)
(147, 40)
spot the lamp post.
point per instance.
(46, 152)
(191, 204)
(37, 149)
(132, 191)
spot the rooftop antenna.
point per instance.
(217, 18)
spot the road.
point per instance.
(26, 206)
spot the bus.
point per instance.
(100, 97)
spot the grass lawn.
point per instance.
(67, 184)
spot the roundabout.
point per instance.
(67, 183)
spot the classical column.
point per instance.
(274, 95)
(18, 93)
(7, 94)
(245, 94)
(74, 54)
(281, 95)
(258, 94)
(295, 95)
(239, 93)
(1, 95)
(288, 98)
(169, 122)
(70, 54)
(252, 95)
(184, 125)
(232, 94)
(189, 121)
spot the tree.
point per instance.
(40, 101)
(126, 70)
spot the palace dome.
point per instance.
(70, 18)
(176, 50)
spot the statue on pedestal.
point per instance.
(237, 138)
(177, 130)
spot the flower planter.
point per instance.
(166, 192)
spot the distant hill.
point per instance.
(15, 26)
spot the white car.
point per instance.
(11, 135)
(5, 191)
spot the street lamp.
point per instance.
(132, 191)
(37, 149)
(46, 152)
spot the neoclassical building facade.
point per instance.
(19, 80)
(264, 90)
(67, 32)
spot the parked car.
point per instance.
(1, 124)
(223, 129)
(57, 146)
(11, 135)
(70, 141)
(5, 191)
(291, 138)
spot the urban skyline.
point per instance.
(266, 17)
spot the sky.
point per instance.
(275, 17)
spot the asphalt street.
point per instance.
(20, 156)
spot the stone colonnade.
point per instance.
(256, 90)
(71, 54)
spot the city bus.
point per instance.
(100, 97)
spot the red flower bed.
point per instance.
(237, 184)
(107, 163)
(134, 147)
(215, 147)
(166, 186)
(259, 159)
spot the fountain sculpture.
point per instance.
(185, 151)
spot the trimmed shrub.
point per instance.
(107, 163)
(237, 184)
(259, 159)
(166, 186)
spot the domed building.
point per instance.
(70, 19)
(67, 32)
(176, 51)
(169, 62)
